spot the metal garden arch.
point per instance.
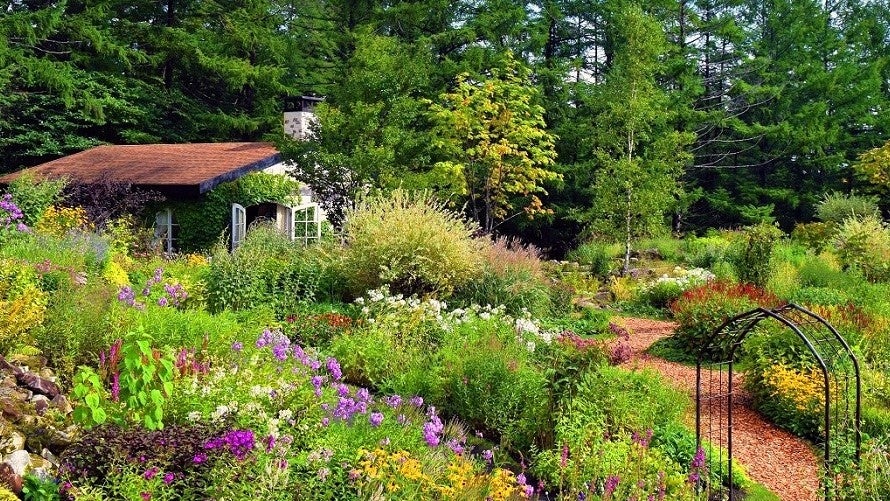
(715, 388)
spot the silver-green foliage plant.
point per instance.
(863, 244)
(410, 242)
(835, 207)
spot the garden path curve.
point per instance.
(782, 462)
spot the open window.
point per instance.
(239, 225)
(306, 222)
(166, 230)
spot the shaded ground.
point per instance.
(782, 462)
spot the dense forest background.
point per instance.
(764, 104)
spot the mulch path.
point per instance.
(784, 463)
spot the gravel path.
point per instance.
(782, 462)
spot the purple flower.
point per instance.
(334, 368)
(342, 390)
(169, 477)
(162, 301)
(151, 473)
(270, 443)
(612, 484)
(375, 419)
(416, 401)
(199, 458)
(280, 351)
(520, 479)
(488, 455)
(401, 419)
(432, 429)
(115, 387)
(699, 459)
(393, 401)
(456, 447)
(237, 346)
(325, 421)
(363, 394)
(529, 491)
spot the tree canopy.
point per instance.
(756, 109)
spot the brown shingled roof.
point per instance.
(195, 166)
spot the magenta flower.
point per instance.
(612, 484)
(169, 477)
(151, 473)
(199, 458)
(488, 455)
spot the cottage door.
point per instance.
(239, 225)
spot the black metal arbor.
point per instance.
(715, 390)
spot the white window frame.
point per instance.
(305, 222)
(239, 225)
(164, 228)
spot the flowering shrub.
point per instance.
(863, 244)
(170, 294)
(22, 302)
(401, 476)
(664, 290)
(410, 242)
(793, 398)
(701, 310)
(58, 220)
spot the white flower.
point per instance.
(360, 300)
(530, 346)
(285, 414)
(194, 416)
(220, 412)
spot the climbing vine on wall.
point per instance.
(202, 222)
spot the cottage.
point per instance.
(187, 173)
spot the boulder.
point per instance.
(9, 479)
(19, 461)
(38, 384)
(11, 408)
(61, 403)
(11, 442)
(41, 404)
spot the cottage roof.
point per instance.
(185, 168)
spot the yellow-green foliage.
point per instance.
(410, 242)
(784, 281)
(115, 271)
(864, 244)
(22, 303)
(7, 495)
(58, 221)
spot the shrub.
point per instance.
(863, 244)
(700, 311)
(22, 303)
(666, 289)
(784, 281)
(754, 259)
(34, 196)
(511, 276)
(488, 379)
(870, 479)
(410, 242)
(58, 221)
(813, 235)
(823, 270)
(704, 252)
(268, 270)
(597, 255)
(835, 207)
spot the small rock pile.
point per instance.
(35, 424)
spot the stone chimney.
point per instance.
(299, 115)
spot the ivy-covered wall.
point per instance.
(202, 222)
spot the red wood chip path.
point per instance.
(784, 463)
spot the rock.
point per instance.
(32, 362)
(49, 456)
(7, 367)
(603, 296)
(41, 404)
(47, 374)
(9, 479)
(40, 466)
(19, 461)
(10, 409)
(14, 441)
(61, 403)
(38, 384)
